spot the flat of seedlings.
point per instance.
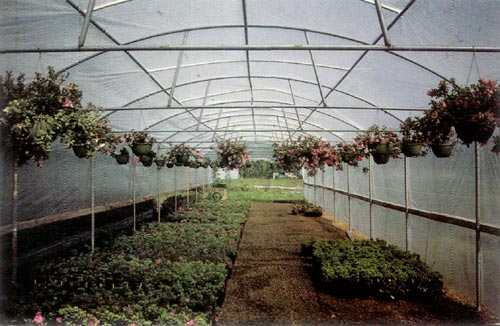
(271, 283)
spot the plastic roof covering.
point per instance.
(255, 70)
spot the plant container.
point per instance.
(146, 160)
(141, 148)
(122, 158)
(412, 149)
(442, 150)
(80, 150)
(380, 158)
(469, 133)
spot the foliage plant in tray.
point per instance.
(374, 268)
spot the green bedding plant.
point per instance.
(166, 274)
(175, 241)
(367, 267)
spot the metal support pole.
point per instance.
(334, 196)
(197, 185)
(407, 236)
(86, 23)
(175, 188)
(478, 226)
(187, 174)
(370, 194)
(381, 20)
(15, 201)
(323, 189)
(349, 197)
(92, 204)
(134, 166)
(314, 190)
(158, 206)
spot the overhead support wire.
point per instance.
(381, 20)
(86, 23)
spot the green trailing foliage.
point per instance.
(373, 268)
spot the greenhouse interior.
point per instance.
(122, 118)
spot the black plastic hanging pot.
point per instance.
(141, 148)
(412, 149)
(380, 158)
(442, 150)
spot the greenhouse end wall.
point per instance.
(434, 187)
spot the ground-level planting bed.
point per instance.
(169, 273)
(273, 283)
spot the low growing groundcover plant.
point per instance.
(373, 268)
(166, 274)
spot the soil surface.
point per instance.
(271, 283)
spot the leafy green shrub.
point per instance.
(374, 268)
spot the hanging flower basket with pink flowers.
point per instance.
(474, 109)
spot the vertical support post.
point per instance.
(370, 194)
(197, 185)
(478, 225)
(175, 188)
(158, 206)
(134, 166)
(349, 197)
(314, 189)
(92, 205)
(187, 173)
(323, 189)
(15, 200)
(407, 235)
(334, 196)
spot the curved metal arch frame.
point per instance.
(245, 27)
(187, 129)
(281, 107)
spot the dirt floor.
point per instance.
(271, 283)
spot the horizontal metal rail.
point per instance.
(439, 217)
(256, 47)
(278, 106)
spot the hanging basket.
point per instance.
(141, 148)
(81, 150)
(380, 158)
(122, 158)
(381, 148)
(170, 165)
(146, 160)
(469, 133)
(412, 149)
(442, 150)
(160, 163)
(181, 160)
